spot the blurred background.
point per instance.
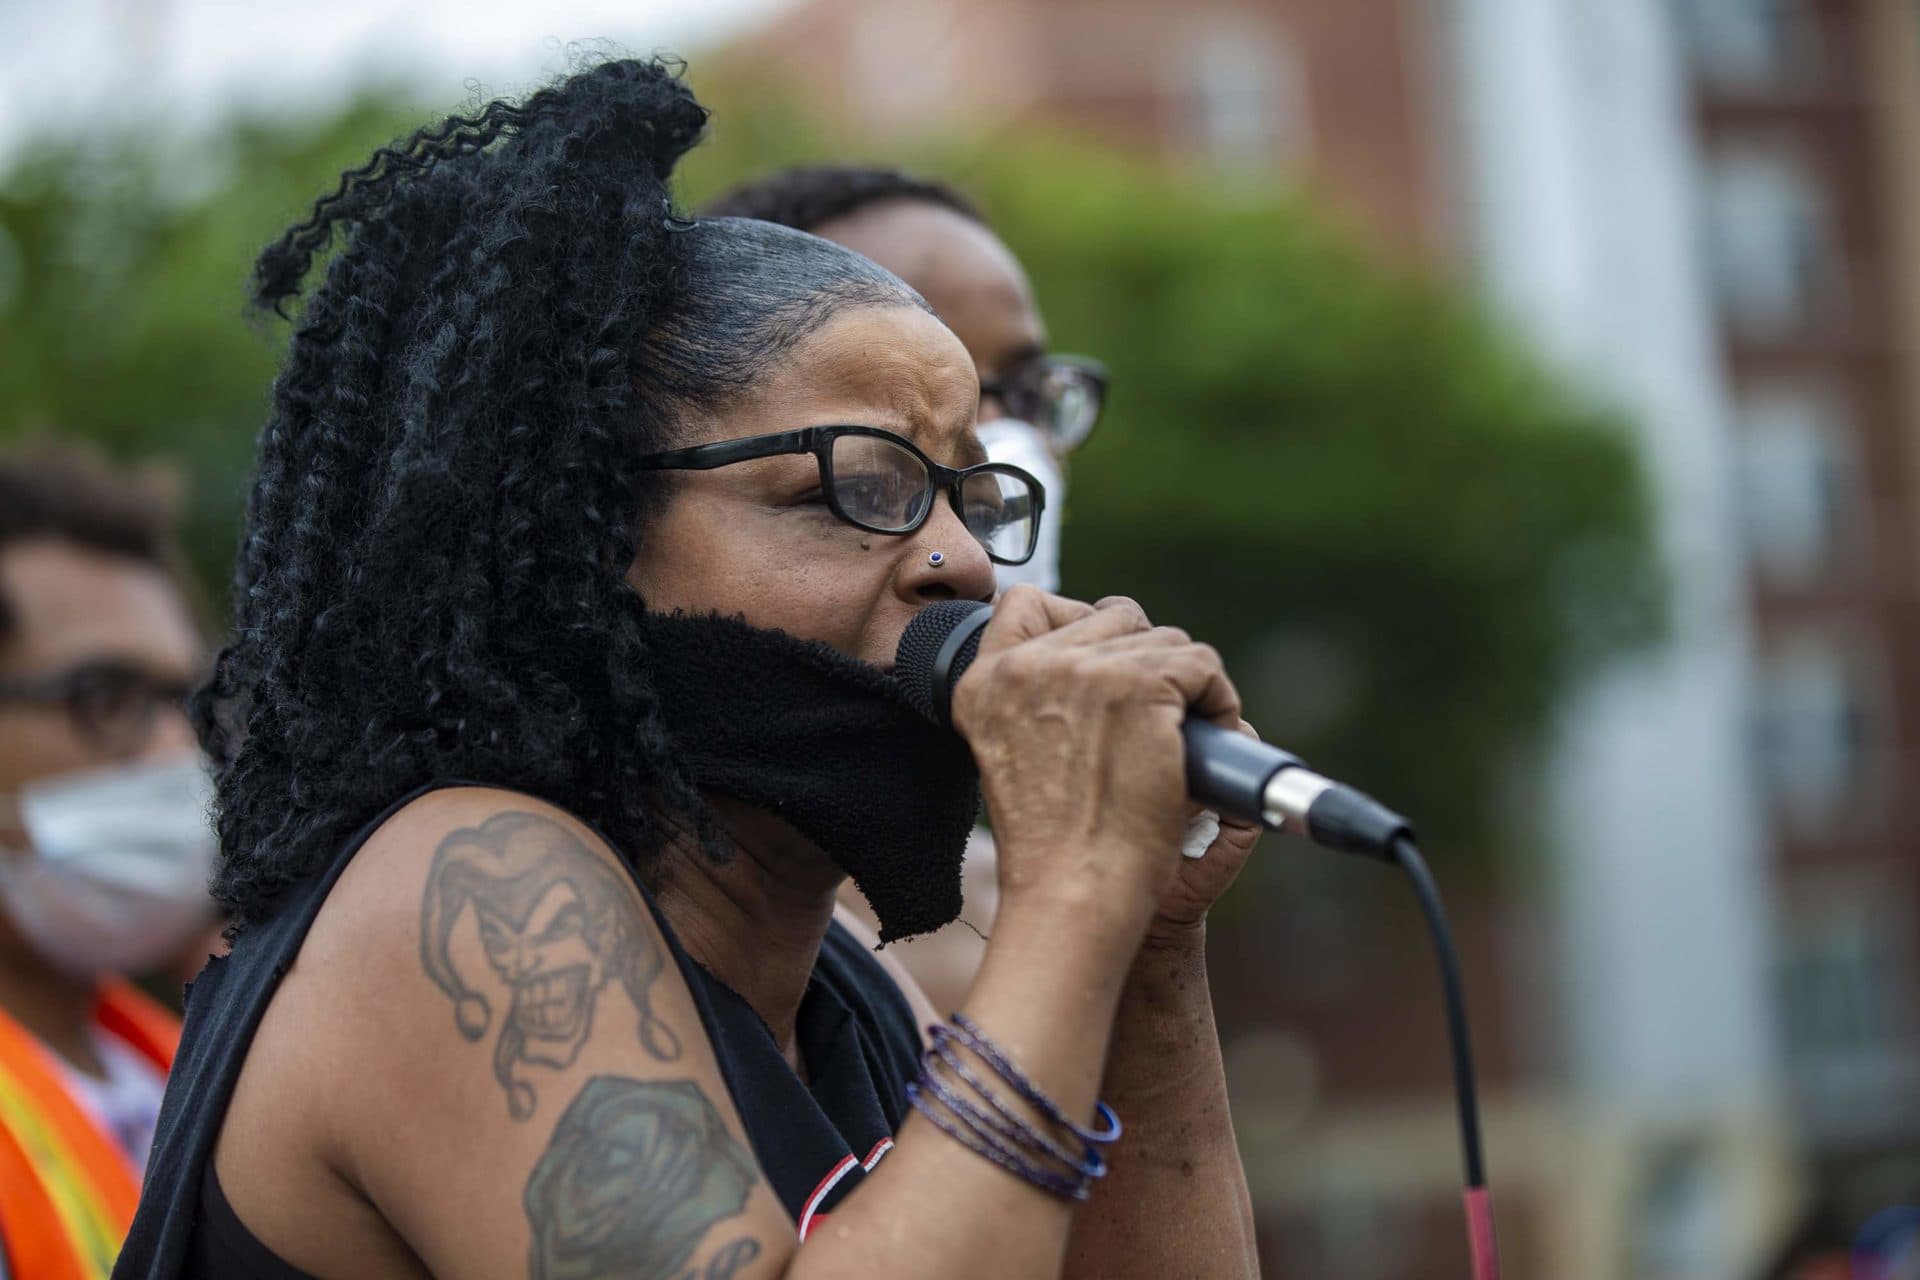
(1520, 392)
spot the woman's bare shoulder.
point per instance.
(515, 913)
(484, 992)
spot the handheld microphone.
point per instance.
(1227, 772)
(1245, 778)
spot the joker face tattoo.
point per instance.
(550, 917)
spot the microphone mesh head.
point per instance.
(920, 647)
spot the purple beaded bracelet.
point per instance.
(1005, 1120)
(1003, 1135)
(963, 1030)
(1046, 1179)
(1024, 1139)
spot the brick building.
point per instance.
(1336, 91)
(1807, 117)
(1706, 209)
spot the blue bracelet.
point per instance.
(1009, 1123)
(1052, 1183)
(971, 1036)
(995, 1129)
(1001, 1134)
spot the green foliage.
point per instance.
(123, 269)
(1407, 539)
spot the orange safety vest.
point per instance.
(67, 1190)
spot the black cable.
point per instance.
(1466, 1096)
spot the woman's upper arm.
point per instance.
(527, 1087)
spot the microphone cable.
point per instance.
(1476, 1198)
(1336, 816)
(1343, 818)
(1244, 776)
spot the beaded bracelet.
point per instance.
(1022, 1137)
(966, 1033)
(1002, 1135)
(1005, 1121)
(1053, 1183)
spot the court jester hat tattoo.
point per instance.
(556, 930)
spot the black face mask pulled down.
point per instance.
(829, 744)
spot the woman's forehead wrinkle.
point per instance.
(921, 383)
(892, 368)
(938, 412)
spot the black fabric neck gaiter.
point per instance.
(829, 744)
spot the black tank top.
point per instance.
(815, 1142)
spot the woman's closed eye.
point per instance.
(884, 497)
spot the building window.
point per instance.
(1845, 953)
(885, 38)
(1812, 734)
(1683, 1221)
(1246, 104)
(1775, 269)
(1802, 503)
(1750, 43)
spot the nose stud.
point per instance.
(936, 558)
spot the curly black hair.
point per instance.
(811, 195)
(431, 584)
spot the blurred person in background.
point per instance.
(1036, 407)
(105, 843)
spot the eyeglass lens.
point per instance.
(999, 512)
(884, 486)
(1070, 404)
(117, 705)
(879, 483)
(111, 703)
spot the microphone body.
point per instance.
(1228, 772)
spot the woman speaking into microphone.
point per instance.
(556, 708)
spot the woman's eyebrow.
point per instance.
(968, 451)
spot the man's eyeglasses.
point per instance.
(1061, 395)
(115, 704)
(882, 482)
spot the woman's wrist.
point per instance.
(1102, 910)
(1175, 937)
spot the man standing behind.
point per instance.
(105, 846)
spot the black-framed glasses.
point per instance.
(113, 703)
(882, 482)
(1061, 395)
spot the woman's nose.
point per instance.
(946, 562)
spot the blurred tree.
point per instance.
(1405, 537)
(123, 268)
(1408, 539)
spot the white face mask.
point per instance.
(1022, 444)
(115, 876)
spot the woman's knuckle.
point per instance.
(1083, 666)
(1022, 664)
(1018, 600)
